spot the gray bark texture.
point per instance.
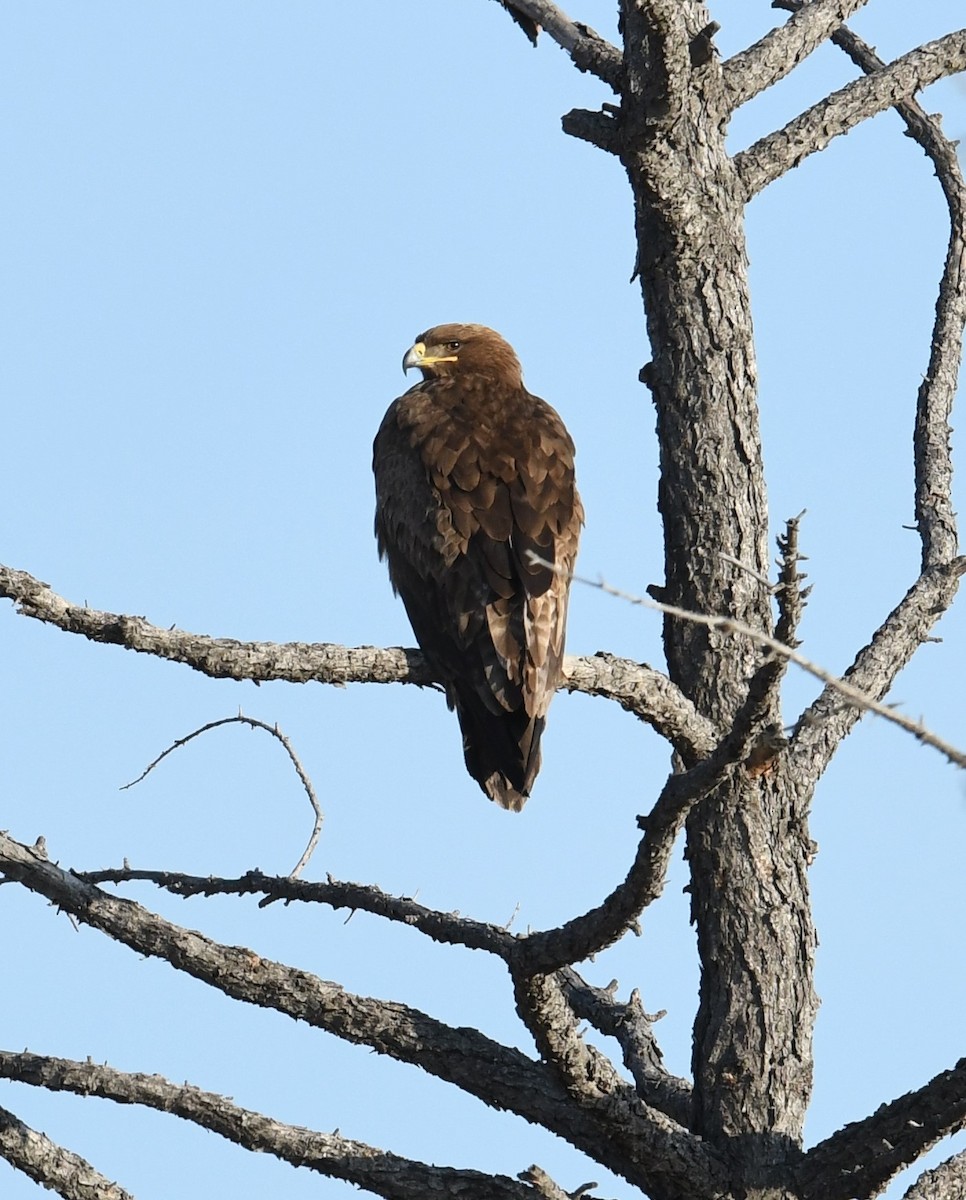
(740, 791)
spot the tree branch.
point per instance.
(945, 1182)
(50, 1165)
(774, 155)
(935, 517)
(638, 688)
(498, 1075)
(824, 724)
(587, 49)
(378, 1171)
(861, 1158)
(780, 51)
(632, 1028)
(676, 1163)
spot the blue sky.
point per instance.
(222, 227)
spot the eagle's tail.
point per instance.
(502, 750)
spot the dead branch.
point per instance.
(50, 1165)
(912, 619)
(828, 720)
(638, 688)
(945, 1182)
(254, 723)
(772, 156)
(587, 49)
(329, 1154)
(861, 1158)
(780, 51)
(935, 518)
(498, 1075)
(590, 1079)
(632, 1028)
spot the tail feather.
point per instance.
(502, 750)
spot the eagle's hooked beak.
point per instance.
(416, 356)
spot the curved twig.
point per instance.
(274, 730)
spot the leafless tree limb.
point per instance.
(935, 518)
(378, 1171)
(587, 49)
(592, 932)
(862, 1157)
(828, 720)
(772, 156)
(648, 694)
(598, 1089)
(50, 1165)
(638, 688)
(632, 1028)
(255, 723)
(906, 628)
(445, 928)
(945, 1182)
(781, 50)
(498, 1075)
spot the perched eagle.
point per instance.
(472, 475)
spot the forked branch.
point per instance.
(498, 1075)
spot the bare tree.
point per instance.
(740, 790)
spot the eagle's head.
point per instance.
(449, 350)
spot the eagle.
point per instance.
(478, 515)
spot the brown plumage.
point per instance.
(472, 474)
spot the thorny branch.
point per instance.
(772, 156)
(329, 1154)
(914, 610)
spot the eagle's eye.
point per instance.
(452, 345)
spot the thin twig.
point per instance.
(731, 625)
(274, 730)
